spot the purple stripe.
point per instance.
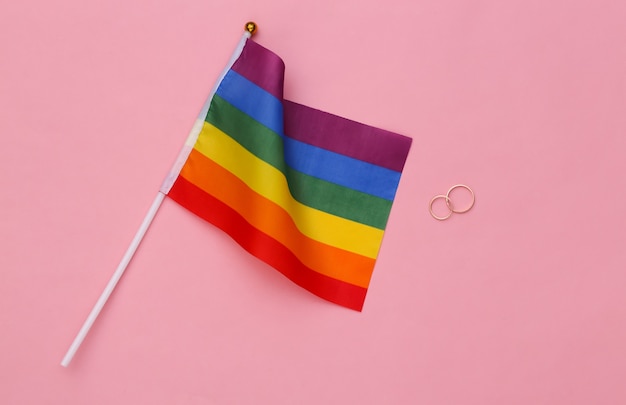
(262, 67)
(314, 127)
(347, 137)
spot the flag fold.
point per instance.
(305, 191)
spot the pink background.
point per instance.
(520, 301)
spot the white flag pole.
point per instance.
(167, 184)
(114, 279)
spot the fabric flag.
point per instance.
(307, 192)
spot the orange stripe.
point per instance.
(265, 247)
(273, 220)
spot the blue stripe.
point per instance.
(312, 160)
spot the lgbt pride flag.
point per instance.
(307, 192)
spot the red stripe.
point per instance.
(264, 247)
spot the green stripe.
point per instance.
(322, 195)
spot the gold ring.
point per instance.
(430, 207)
(449, 201)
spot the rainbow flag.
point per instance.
(307, 192)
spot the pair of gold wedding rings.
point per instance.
(452, 208)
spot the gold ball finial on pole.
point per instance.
(251, 27)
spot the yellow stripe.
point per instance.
(271, 183)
